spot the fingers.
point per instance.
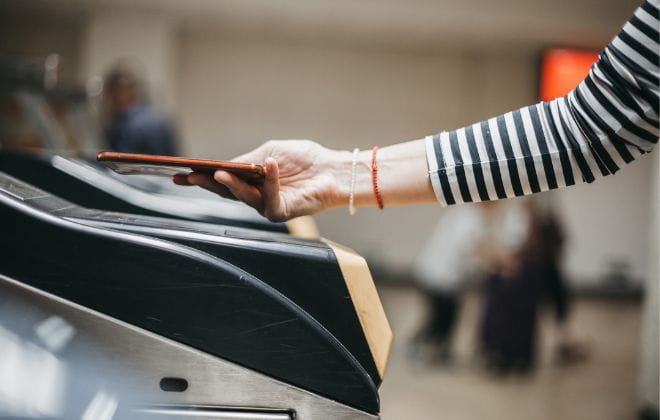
(206, 181)
(271, 191)
(265, 198)
(181, 179)
(240, 189)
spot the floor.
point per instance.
(601, 388)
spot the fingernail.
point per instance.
(219, 176)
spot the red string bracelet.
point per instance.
(374, 177)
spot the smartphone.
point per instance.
(136, 164)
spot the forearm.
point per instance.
(402, 176)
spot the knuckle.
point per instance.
(274, 217)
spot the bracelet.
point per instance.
(351, 195)
(374, 177)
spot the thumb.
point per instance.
(271, 191)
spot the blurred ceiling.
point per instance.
(409, 23)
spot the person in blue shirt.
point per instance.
(135, 125)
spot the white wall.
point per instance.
(649, 372)
(609, 220)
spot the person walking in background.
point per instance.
(135, 126)
(543, 250)
(442, 269)
(522, 248)
(506, 329)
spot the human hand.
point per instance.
(301, 179)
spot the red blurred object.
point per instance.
(563, 69)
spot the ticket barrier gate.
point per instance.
(181, 319)
(89, 184)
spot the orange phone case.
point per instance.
(137, 164)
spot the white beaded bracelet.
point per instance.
(351, 195)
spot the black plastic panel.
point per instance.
(39, 172)
(187, 295)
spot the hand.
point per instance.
(301, 179)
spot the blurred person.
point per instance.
(443, 267)
(544, 251)
(606, 122)
(135, 126)
(508, 327)
(525, 270)
(508, 315)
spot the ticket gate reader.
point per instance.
(187, 319)
(92, 185)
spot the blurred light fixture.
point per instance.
(563, 69)
(51, 65)
(94, 86)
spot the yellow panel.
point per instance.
(367, 303)
(303, 227)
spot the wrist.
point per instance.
(340, 165)
(402, 176)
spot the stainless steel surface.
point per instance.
(207, 413)
(17, 189)
(134, 360)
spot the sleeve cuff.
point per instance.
(434, 166)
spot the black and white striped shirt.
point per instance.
(609, 120)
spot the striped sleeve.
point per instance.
(609, 120)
